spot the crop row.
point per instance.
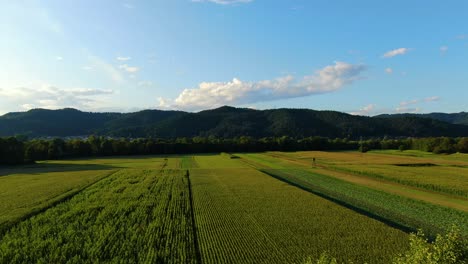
(449, 180)
(243, 215)
(393, 209)
(132, 216)
(25, 194)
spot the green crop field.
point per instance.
(26, 191)
(439, 173)
(132, 216)
(441, 181)
(245, 208)
(243, 215)
(409, 213)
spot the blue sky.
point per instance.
(360, 57)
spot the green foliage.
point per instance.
(462, 145)
(363, 148)
(224, 122)
(11, 151)
(450, 248)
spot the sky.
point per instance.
(362, 57)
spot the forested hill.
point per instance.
(226, 122)
(456, 118)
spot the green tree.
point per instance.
(446, 249)
(462, 145)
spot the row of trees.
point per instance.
(17, 150)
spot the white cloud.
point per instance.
(27, 106)
(224, 2)
(417, 101)
(130, 69)
(123, 58)
(51, 97)
(443, 50)
(389, 70)
(87, 68)
(395, 52)
(213, 94)
(414, 106)
(366, 110)
(59, 58)
(408, 109)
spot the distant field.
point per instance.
(270, 207)
(440, 173)
(442, 181)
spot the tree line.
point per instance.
(17, 150)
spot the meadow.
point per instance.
(272, 207)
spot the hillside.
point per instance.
(228, 122)
(455, 118)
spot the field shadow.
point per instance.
(38, 168)
(415, 164)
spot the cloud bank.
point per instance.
(237, 92)
(409, 106)
(51, 97)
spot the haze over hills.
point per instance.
(229, 122)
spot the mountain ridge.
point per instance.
(227, 121)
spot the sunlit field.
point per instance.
(273, 207)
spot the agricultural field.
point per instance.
(442, 180)
(269, 207)
(29, 190)
(375, 200)
(446, 174)
(132, 216)
(243, 214)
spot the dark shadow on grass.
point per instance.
(34, 169)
